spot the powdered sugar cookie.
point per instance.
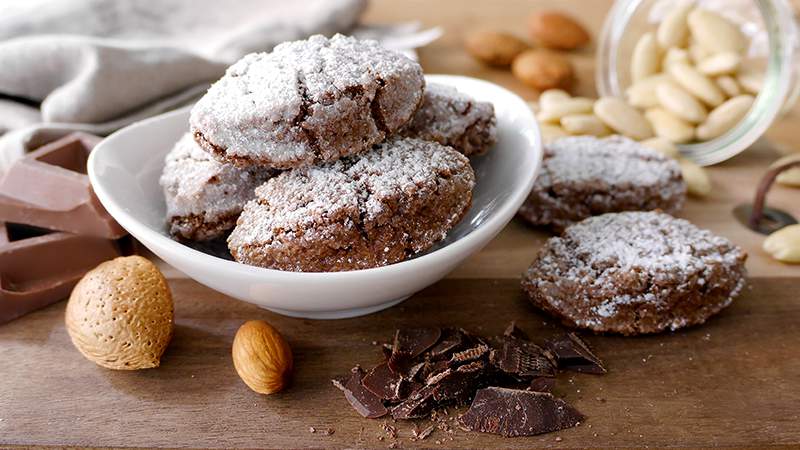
(635, 273)
(452, 118)
(586, 176)
(370, 210)
(307, 102)
(203, 196)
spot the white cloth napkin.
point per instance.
(98, 65)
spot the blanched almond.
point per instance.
(645, 58)
(552, 96)
(715, 32)
(697, 181)
(728, 86)
(696, 83)
(663, 146)
(676, 100)
(674, 55)
(673, 31)
(642, 94)
(669, 127)
(724, 63)
(623, 118)
(789, 177)
(557, 109)
(698, 53)
(584, 124)
(724, 117)
(784, 244)
(751, 81)
(551, 132)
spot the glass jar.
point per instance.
(770, 26)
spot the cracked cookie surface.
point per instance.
(635, 273)
(453, 118)
(307, 102)
(369, 210)
(203, 196)
(587, 176)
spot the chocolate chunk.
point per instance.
(410, 343)
(459, 385)
(382, 382)
(522, 359)
(512, 412)
(361, 399)
(418, 404)
(450, 341)
(513, 331)
(543, 384)
(573, 353)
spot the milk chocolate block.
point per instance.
(49, 188)
(39, 267)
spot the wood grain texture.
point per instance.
(730, 382)
(734, 382)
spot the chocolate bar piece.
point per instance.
(363, 401)
(49, 188)
(573, 353)
(39, 267)
(513, 412)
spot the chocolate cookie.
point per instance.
(370, 210)
(586, 176)
(204, 197)
(635, 273)
(307, 102)
(452, 118)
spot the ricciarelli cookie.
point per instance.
(452, 118)
(307, 102)
(203, 196)
(370, 210)
(635, 273)
(586, 176)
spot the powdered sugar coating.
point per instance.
(203, 196)
(635, 272)
(585, 176)
(453, 118)
(307, 102)
(369, 210)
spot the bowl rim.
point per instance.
(493, 224)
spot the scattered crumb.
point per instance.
(558, 439)
(329, 432)
(312, 430)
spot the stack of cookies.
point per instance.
(325, 155)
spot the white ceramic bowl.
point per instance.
(125, 167)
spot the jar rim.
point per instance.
(779, 23)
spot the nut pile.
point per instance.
(540, 68)
(508, 379)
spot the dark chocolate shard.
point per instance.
(419, 404)
(450, 341)
(522, 359)
(410, 343)
(573, 353)
(513, 412)
(459, 385)
(382, 382)
(543, 384)
(362, 400)
(513, 331)
(470, 354)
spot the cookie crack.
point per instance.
(375, 108)
(305, 112)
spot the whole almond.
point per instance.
(557, 30)
(494, 48)
(262, 357)
(543, 69)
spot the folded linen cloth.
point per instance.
(98, 65)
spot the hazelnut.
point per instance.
(494, 48)
(262, 357)
(543, 69)
(120, 314)
(557, 30)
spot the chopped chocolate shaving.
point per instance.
(470, 354)
(543, 384)
(511, 413)
(513, 331)
(522, 359)
(362, 400)
(459, 385)
(408, 344)
(573, 353)
(382, 382)
(450, 341)
(419, 404)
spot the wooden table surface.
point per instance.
(734, 382)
